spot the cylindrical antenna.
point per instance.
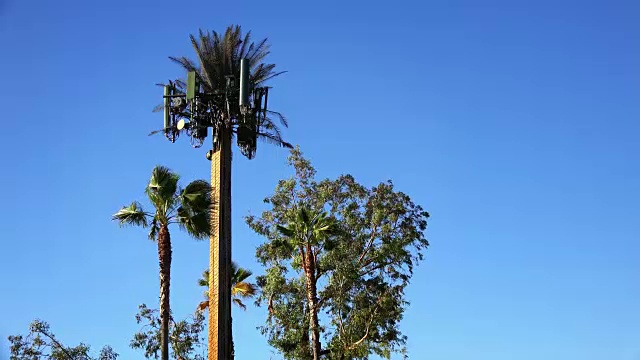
(244, 82)
(167, 106)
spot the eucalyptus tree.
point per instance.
(338, 249)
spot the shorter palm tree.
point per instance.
(307, 235)
(188, 208)
(240, 289)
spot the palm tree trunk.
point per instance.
(312, 297)
(220, 251)
(305, 345)
(164, 256)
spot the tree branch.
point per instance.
(368, 246)
(366, 334)
(355, 344)
(57, 344)
(379, 266)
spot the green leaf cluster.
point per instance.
(41, 343)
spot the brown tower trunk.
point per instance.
(220, 251)
(312, 297)
(164, 256)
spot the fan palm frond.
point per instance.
(162, 188)
(131, 215)
(195, 223)
(240, 303)
(243, 289)
(196, 195)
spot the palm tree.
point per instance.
(240, 289)
(306, 236)
(218, 56)
(187, 207)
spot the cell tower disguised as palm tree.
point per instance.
(224, 93)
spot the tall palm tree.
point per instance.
(187, 207)
(240, 289)
(218, 56)
(306, 236)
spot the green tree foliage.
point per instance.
(341, 253)
(42, 344)
(186, 338)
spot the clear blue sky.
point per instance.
(515, 123)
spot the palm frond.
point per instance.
(242, 52)
(285, 231)
(153, 232)
(185, 62)
(203, 305)
(279, 116)
(195, 224)
(303, 216)
(196, 195)
(204, 280)
(162, 188)
(131, 215)
(239, 274)
(273, 139)
(270, 76)
(243, 289)
(239, 303)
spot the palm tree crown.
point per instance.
(309, 227)
(187, 207)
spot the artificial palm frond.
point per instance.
(218, 55)
(279, 116)
(274, 140)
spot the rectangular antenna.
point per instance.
(192, 85)
(167, 104)
(266, 97)
(244, 82)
